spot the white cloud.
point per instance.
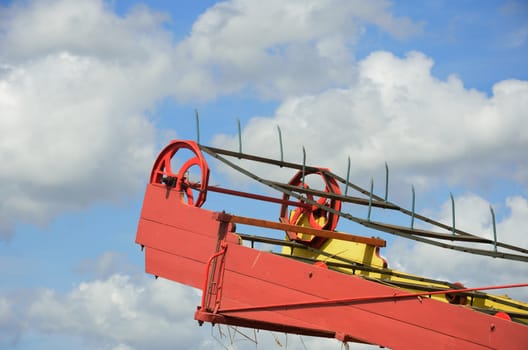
(281, 49)
(10, 326)
(117, 312)
(427, 129)
(65, 140)
(89, 28)
(76, 81)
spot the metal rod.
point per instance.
(257, 197)
(303, 165)
(197, 126)
(348, 176)
(329, 195)
(217, 151)
(412, 207)
(363, 299)
(239, 137)
(453, 211)
(370, 197)
(242, 220)
(386, 181)
(494, 228)
(207, 275)
(280, 144)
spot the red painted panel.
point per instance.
(179, 240)
(173, 267)
(406, 323)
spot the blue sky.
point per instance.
(91, 91)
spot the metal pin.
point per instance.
(303, 165)
(197, 126)
(280, 144)
(348, 176)
(370, 197)
(412, 211)
(494, 228)
(386, 181)
(239, 137)
(453, 210)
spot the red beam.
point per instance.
(257, 196)
(366, 299)
(309, 230)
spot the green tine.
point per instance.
(370, 197)
(494, 228)
(239, 137)
(412, 210)
(453, 211)
(280, 144)
(197, 126)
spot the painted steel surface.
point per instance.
(247, 287)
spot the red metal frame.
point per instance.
(252, 288)
(181, 241)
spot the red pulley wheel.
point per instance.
(193, 193)
(317, 217)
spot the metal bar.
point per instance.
(280, 144)
(494, 228)
(239, 136)
(370, 198)
(412, 210)
(207, 275)
(347, 176)
(386, 181)
(432, 234)
(257, 196)
(309, 230)
(197, 126)
(363, 299)
(303, 166)
(453, 210)
(217, 151)
(330, 195)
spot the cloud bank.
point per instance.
(429, 130)
(78, 83)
